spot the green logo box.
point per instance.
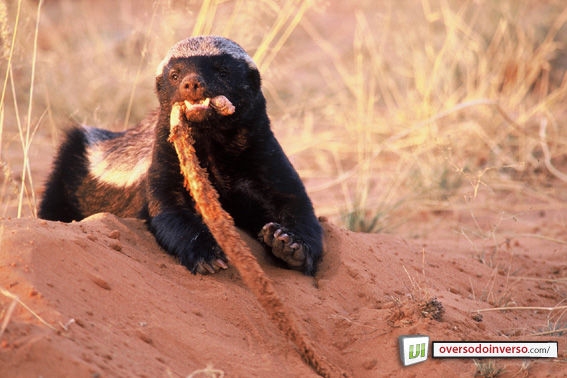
(413, 349)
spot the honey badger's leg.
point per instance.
(60, 202)
(292, 233)
(172, 217)
(185, 236)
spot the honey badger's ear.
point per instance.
(255, 80)
(159, 84)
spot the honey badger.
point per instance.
(136, 173)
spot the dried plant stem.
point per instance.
(27, 138)
(222, 227)
(11, 309)
(290, 14)
(522, 308)
(549, 280)
(545, 148)
(8, 316)
(549, 332)
(537, 236)
(209, 371)
(8, 72)
(141, 62)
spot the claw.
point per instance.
(267, 226)
(299, 254)
(267, 233)
(221, 264)
(201, 269)
(284, 238)
(209, 268)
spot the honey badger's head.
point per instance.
(200, 68)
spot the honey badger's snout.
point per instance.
(193, 91)
(192, 88)
(199, 105)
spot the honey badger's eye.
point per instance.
(222, 71)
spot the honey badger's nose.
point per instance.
(192, 87)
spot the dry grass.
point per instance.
(386, 110)
(209, 372)
(6, 315)
(488, 368)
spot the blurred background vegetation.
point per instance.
(389, 110)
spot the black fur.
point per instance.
(256, 182)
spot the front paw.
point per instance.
(211, 266)
(285, 245)
(184, 235)
(206, 260)
(204, 257)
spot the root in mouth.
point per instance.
(220, 104)
(221, 225)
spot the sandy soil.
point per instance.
(116, 305)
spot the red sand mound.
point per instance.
(122, 307)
